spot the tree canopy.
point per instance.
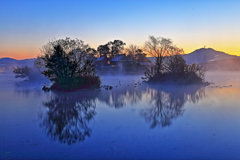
(111, 49)
(68, 64)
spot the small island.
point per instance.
(68, 63)
(169, 66)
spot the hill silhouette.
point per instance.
(7, 63)
(7, 60)
(204, 55)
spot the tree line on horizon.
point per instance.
(69, 63)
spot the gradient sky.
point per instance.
(26, 25)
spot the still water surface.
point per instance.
(131, 121)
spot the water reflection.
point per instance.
(167, 104)
(122, 96)
(68, 115)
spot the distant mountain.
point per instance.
(8, 63)
(11, 60)
(7, 60)
(212, 59)
(204, 55)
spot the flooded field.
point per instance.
(131, 120)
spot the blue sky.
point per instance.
(26, 25)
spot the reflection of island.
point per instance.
(68, 114)
(167, 104)
(121, 96)
(67, 117)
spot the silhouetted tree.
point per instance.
(111, 49)
(116, 47)
(104, 50)
(92, 52)
(68, 64)
(159, 48)
(131, 52)
(169, 65)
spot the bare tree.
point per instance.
(131, 50)
(169, 63)
(161, 49)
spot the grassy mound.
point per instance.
(77, 83)
(179, 79)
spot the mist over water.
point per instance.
(131, 120)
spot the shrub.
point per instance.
(28, 73)
(21, 72)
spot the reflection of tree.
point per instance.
(121, 96)
(67, 117)
(167, 104)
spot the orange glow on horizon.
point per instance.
(26, 53)
(20, 54)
